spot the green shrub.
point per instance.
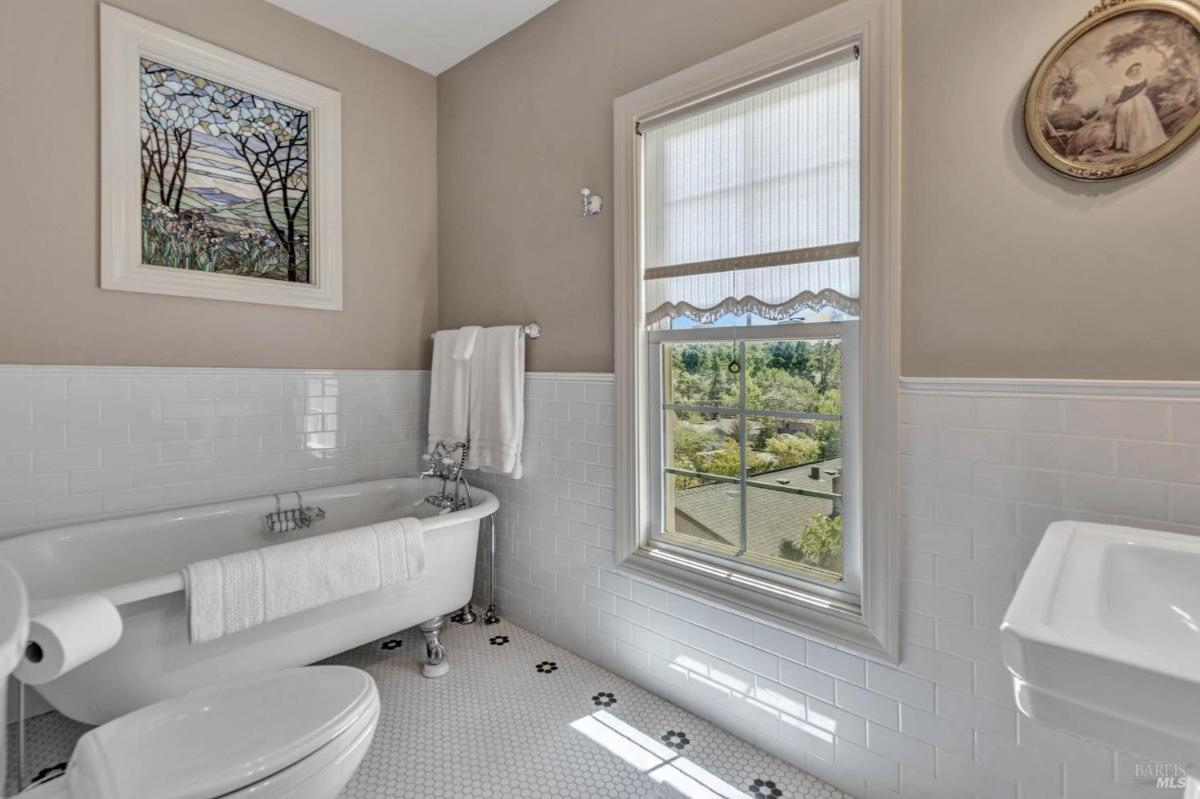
(790, 450)
(818, 544)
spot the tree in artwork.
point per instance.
(1176, 88)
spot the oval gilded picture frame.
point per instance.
(1119, 91)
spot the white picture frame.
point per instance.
(124, 40)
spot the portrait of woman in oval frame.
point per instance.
(1120, 91)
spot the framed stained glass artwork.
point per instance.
(220, 174)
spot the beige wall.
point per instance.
(526, 122)
(51, 307)
(1009, 270)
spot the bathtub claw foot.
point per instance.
(435, 664)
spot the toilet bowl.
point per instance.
(292, 734)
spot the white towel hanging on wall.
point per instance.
(449, 384)
(497, 401)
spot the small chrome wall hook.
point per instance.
(592, 203)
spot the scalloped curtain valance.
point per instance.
(751, 198)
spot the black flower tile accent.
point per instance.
(675, 739)
(498, 640)
(604, 699)
(394, 643)
(764, 789)
(459, 617)
(547, 666)
(49, 773)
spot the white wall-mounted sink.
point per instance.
(1103, 638)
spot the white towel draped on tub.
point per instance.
(236, 592)
(497, 392)
(450, 384)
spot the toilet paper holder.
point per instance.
(68, 635)
(78, 630)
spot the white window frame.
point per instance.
(871, 625)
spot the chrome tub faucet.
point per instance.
(446, 462)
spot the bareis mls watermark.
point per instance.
(1161, 775)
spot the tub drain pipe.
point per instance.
(20, 736)
(490, 617)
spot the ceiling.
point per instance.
(433, 35)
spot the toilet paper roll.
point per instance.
(66, 636)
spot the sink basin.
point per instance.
(1103, 638)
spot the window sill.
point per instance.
(811, 616)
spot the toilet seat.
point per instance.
(266, 735)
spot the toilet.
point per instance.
(291, 734)
(297, 733)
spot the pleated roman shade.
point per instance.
(751, 198)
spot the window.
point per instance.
(756, 359)
(752, 458)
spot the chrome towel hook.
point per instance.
(592, 203)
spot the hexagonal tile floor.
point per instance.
(515, 717)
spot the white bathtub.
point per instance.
(154, 659)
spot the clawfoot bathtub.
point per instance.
(135, 561)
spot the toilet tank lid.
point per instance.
(216, 740)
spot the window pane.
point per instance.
(796, 532)
(795, 375)
(776, 445)
(700, 510)
(699, 374)
(706, 514)
(702, 442)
